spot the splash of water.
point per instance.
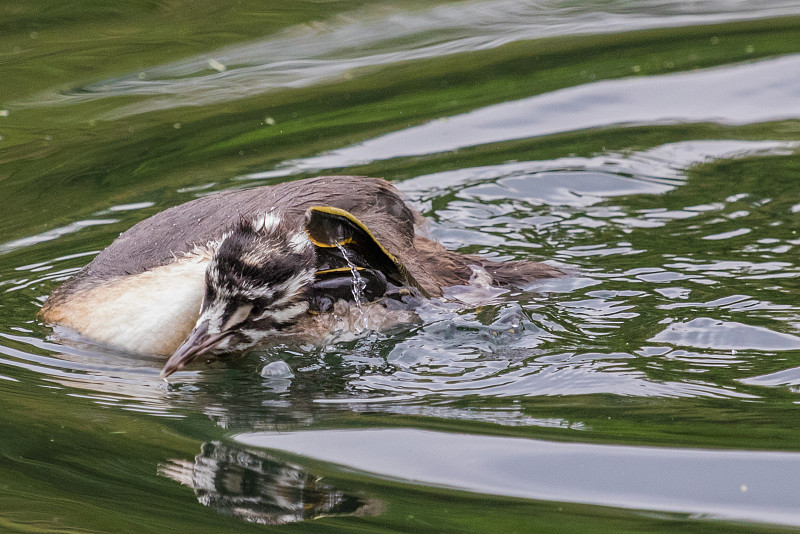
(359, 284)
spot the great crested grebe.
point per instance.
(229, 270)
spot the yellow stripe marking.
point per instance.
(353, 219)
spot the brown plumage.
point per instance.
(155, 244)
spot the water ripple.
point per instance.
(749, 486)
(707, 333)
(309, 54)
(747, 93)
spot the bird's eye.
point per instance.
(258, 310)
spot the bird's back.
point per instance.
(155, 241)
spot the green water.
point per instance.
(650, 148)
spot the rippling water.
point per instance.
(649, 148)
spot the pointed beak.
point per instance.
(198, 342)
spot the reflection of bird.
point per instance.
(228, 270)
(260, 489)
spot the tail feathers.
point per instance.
(435, 267)
(518, 273)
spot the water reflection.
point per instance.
(310, 54)
(260, 489)
(707, 333)
(740, 94)
(749, 486)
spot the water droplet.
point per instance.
(277, 369)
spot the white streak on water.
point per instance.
(708, 333)
(50, 235)
(307, 55)
(738, 485)
(736, 95)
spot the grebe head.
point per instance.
(256, 284)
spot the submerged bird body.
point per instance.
(230, 269)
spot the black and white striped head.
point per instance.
(256, 285)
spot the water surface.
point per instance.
(650, 148)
